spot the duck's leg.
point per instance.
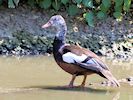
(83, 82)
(70, 85)
(72, 81)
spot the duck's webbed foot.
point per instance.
(71, 82)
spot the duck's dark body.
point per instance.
(71, 68)
(73, 58)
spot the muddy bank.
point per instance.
(108, 38)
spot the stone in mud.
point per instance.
(129, 79)
(107, 83)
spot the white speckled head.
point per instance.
(59, 23)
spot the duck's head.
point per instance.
(59, 23)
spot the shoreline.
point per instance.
(21, 33)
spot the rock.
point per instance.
(129, 79)
(107, 83)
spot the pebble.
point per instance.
(128, 80)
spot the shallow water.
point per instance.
(40, 78)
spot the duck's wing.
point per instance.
(73, 53)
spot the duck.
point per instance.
(74, 59)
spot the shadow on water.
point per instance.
(75, 89)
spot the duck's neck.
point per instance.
(60, 37)
(61, 33)
(59, 41)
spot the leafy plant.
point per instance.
(89, 18)
(78, 1)
(56, 5)
(106, 3)
(45, 4)
(127, 4)
(117, 15)
(0, 2)
(72, 10)
(101, 15)
(13, 3)
(64, 1)
(99, 9)
(88, 3)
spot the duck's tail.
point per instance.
(107, 74)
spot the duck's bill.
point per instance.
(48, 24)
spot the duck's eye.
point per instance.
(55, 19)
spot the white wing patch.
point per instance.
(92, 61)
(71, 57)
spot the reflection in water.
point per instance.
(39, 78)
(117, 96)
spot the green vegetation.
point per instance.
(90, 9)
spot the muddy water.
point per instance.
(39, 78)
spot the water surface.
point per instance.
(40, 78)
